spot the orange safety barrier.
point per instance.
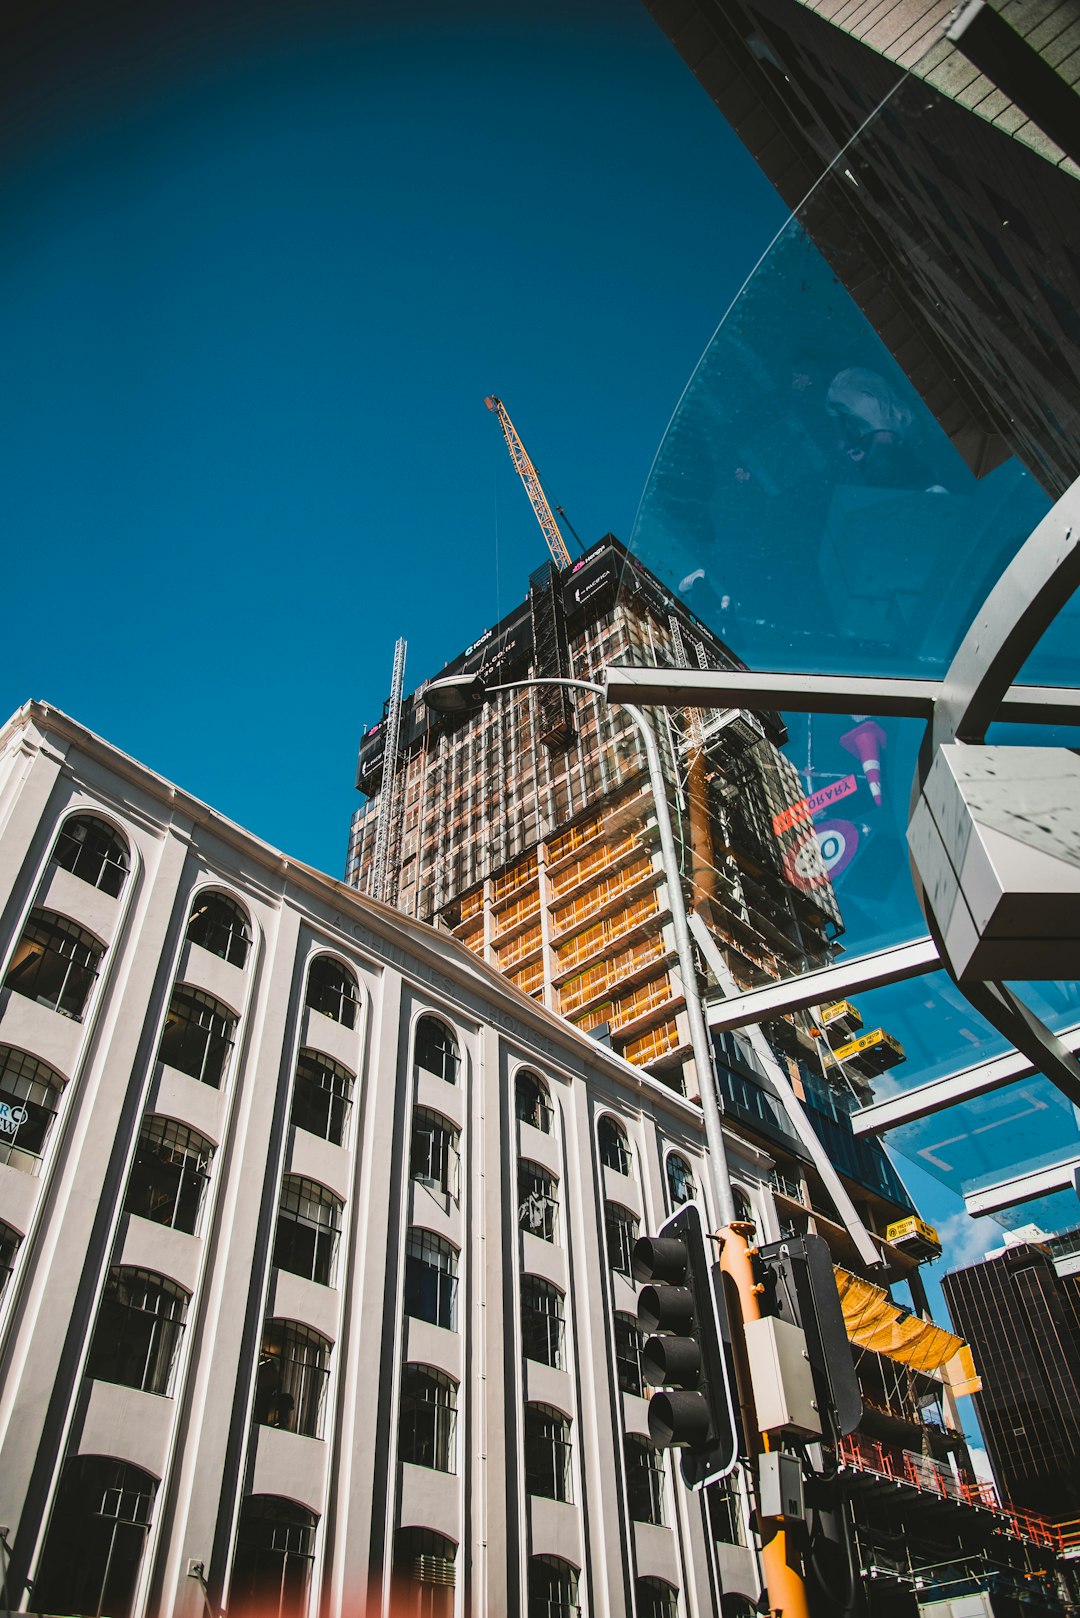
(611, 887)
(514, 915)
(599, 978)
(575, 837)
(631, 1006)
(654, 1043)
(471, 905)
(607, 931)
(517, 877)
(519, 947)
(922, 1472)
(529, 977)
(600, 860)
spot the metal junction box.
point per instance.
(783, 1382)
(780, 1486)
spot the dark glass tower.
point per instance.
(1022, 1319)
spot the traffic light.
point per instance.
(800, 1287)
(682, 1304)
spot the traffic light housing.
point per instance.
(681, 1303)
(800, 1287)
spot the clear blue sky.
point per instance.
(259, 277)
(249, 310)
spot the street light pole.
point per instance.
(700, 1042)
(464, 694)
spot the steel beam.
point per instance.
(883, 966)
(822, 693)
(964, 1085)
(1024, 1188)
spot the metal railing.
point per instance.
(922, 1472)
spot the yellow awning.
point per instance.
(873, 1321)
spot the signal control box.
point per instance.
(783, 1381)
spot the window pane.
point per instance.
(290, 1386)
(198, 1035)
(433, 1157)
(137, 1334)
(29, 1097)
(431, 1279)
(436, 1049)
(219, 925)
(169, 1174)
(322, 1096)
(275, 1547)
(309, 1221)
(629, 1341)
(428, 1422)
(532, 1103)
(553, 1588)
(96, 1535)
(614, 1151)
(542, 1321)
(644, 1481)
(538, 1206)
(332, 990)
(680, 1180)
(55, 963)
(93, 852)
(622, 1229)
(547, 1452)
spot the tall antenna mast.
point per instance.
(380, 864)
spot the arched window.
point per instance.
(542, 1323)
(433, 1154)
(547, 1452)
(139, 1325)
(680, 1180)
(90, 1562)
(532, 1101)
(308, 1228)
(275, 1547)
(744, 1208)
(431, 1266)
(198, 1035)
(332, 990)
(169, 1174)
(424, 1573)
(436, 1049)
(553, 1588)
(644, 1480)
(55, 963)
(622, 1231)
(9, 1246)
(322, 1096)
(218, 924)
(614, 1150)
(656, 1599)
(92, 851)
(427, 1431)
(538, 1201)
(290, 1385)
(29, 1096)
(629, 1342)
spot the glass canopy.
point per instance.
(812, 511)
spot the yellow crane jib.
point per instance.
(526, 471)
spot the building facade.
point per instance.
(316, 1243)
(528, 829)
(1020, 1310)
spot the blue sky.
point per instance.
(252, 301)
(249, 321)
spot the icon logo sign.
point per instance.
(11, 1118)
(838, 841)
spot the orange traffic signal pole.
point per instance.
(780, 1560)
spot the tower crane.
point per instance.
(527, 472)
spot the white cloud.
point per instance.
(965, 1240)
(980, 1464)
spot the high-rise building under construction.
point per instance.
(526, 829)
